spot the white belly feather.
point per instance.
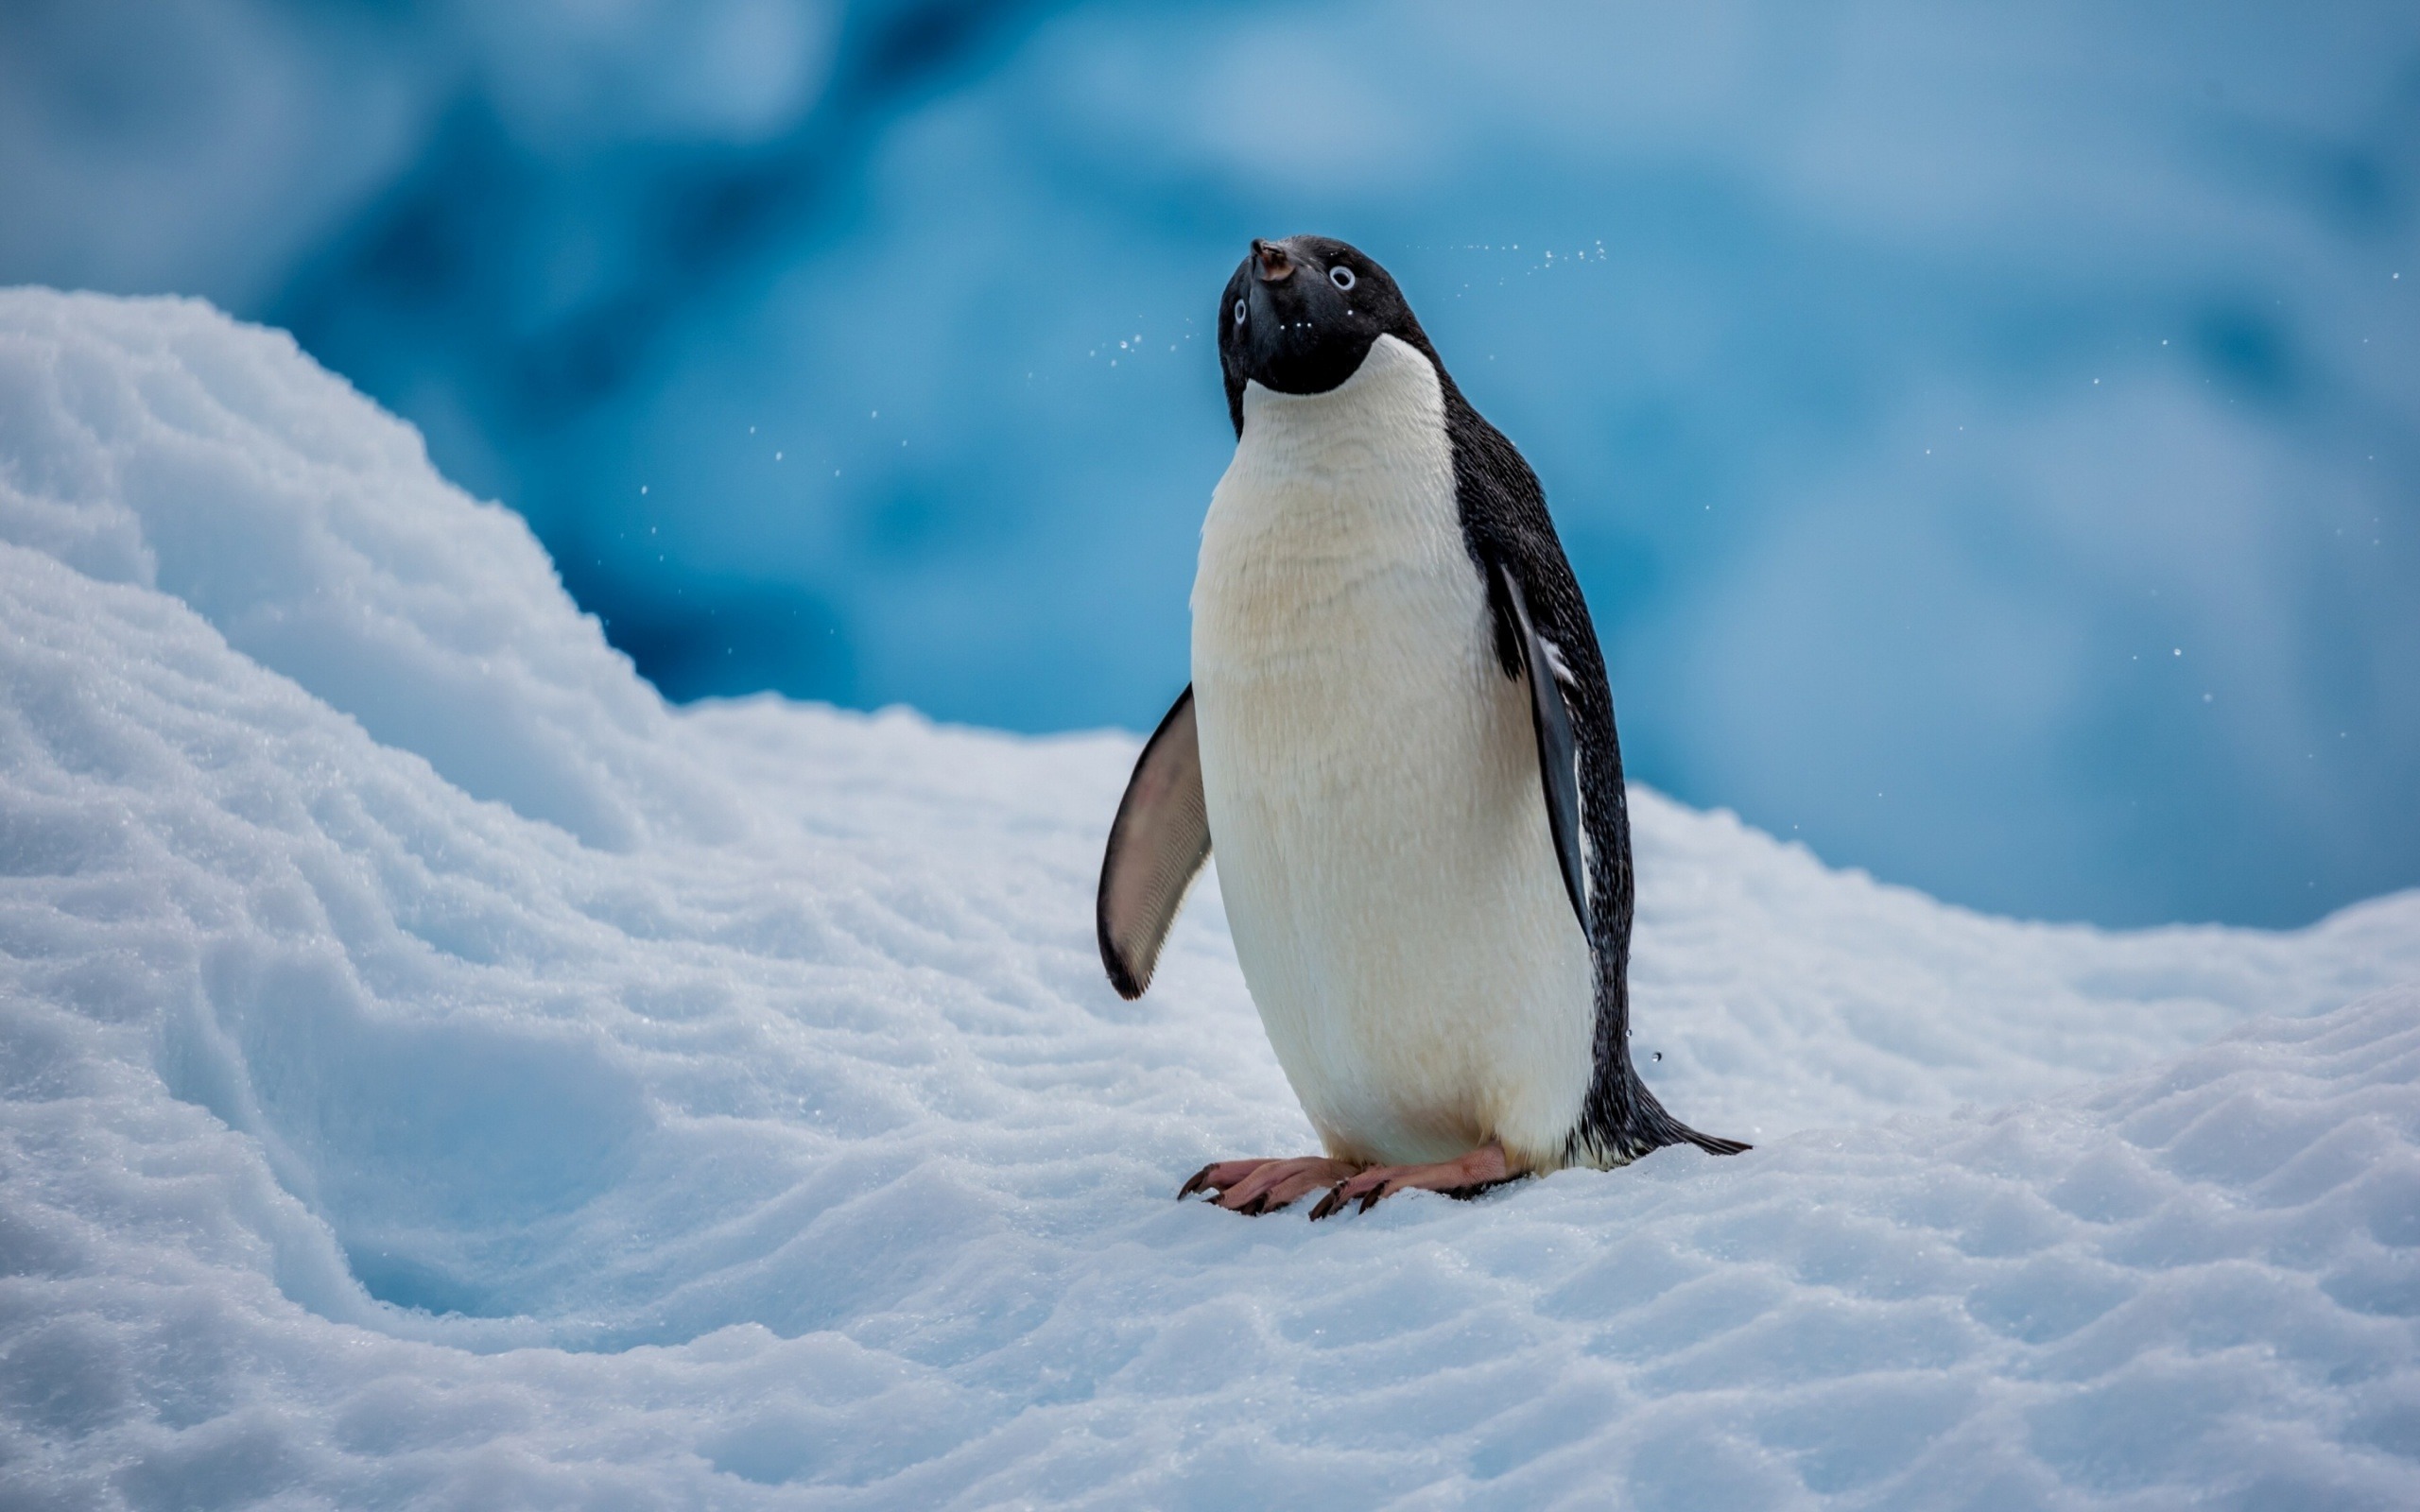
(1372, 780)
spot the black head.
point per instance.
(1301, 314)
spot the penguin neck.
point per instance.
(1361, 475)
(1395, 384)
(1335, 523)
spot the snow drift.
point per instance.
(433, 1072)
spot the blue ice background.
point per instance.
(1989, 435)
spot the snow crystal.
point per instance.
(433, 1072)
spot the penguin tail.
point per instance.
(1711, 1143)
(1618, 1129)
(1666, 1130)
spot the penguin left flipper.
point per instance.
(1557, 750)
(1157, 846)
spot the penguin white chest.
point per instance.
(1371, 781)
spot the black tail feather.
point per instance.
(1712, 1144)
(1623, 1121)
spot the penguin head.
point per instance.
(1301, 314)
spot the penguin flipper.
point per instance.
(1557, 750)
(1157, 846)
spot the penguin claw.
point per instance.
(1465, 1178)
(1220, 1175)
(1255, 1187)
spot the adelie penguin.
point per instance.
(1400, 739)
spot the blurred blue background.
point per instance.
(1989, 435)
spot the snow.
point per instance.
(435, 1072)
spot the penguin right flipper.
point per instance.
(1557, 750)
(1157, 846)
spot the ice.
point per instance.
(434, 1073)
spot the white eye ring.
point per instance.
(1239, 312)
(1341, 276)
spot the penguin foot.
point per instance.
(1255, 1187)
(1464, 1176)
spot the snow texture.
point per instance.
(434, 1073)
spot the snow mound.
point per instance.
(148, 443)
(432, 1072)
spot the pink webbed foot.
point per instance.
(1463, 1176)
(1256, 1187)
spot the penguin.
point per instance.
(1400, 737)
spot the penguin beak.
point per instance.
(1274, 266)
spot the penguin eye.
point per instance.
(1341, 276)
(1239, 312)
